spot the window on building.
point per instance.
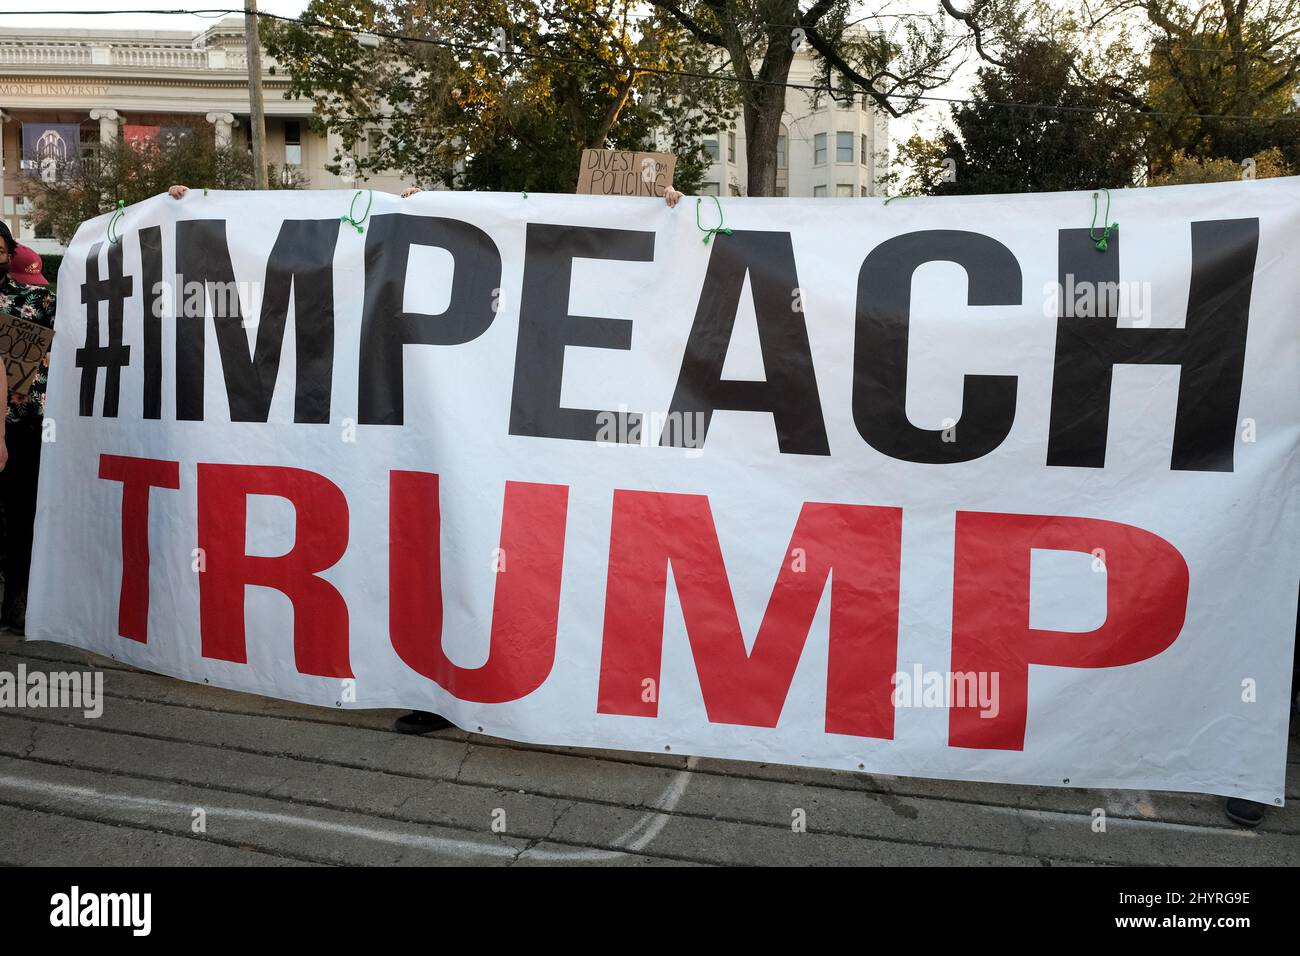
(819, 149)
(843, 147)
(292, 143)
(711, 149)
(864, 149)
(731, 147)
(819, 192)
(844, 190)
(780, 152)
(369, 142)
(864, 191)
(708, 189)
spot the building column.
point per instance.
(4, 213)
(109, 124)
(222, 124)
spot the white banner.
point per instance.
(937, 488)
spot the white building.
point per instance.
(110, 83)
(73, 88)
(828, 149)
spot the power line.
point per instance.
(462, 48)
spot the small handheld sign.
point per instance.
(623, 172)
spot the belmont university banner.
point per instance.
(942, 487)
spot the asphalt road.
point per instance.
(174, 773)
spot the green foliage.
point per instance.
(505, 98)
(50, 268)
(134, 172)
(1003, 149)
(1192, 90)
(1193, 169)
(1217, 59)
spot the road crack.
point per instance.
(542, 839)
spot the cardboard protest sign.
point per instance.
(621, 172)
(937, 489)
(23, 344)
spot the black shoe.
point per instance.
(420, 722)
(1247, 813)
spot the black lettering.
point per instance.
(546, 328)
(301, 262)
(789, 392)
(1210, 350)
(90, 358)
(151, 263)
(880, 347)
(386, 328)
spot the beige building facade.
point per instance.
(827, 148)
(108, 83)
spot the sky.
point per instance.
(48, 17)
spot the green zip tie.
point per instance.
(1101, 241)
(351, 218)
(118, 214)
(719, 228)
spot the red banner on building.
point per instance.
(140, 134)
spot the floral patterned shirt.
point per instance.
(35, 304)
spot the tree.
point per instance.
(1223, 60)
(1211, 79)
(484, 95)
(1065, 140)
(132, 172)
(1193, 169)
(893, 59)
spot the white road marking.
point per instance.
(653, 823)
(97, 799)
(636, 838)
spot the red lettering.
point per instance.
(137, 475)
(1146, 604)
(320, 615)
(525, 608)
(860, 543)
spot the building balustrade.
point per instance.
(126, 55)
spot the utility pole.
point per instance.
(253, 44)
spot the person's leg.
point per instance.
(18, 486)
(4, 537)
